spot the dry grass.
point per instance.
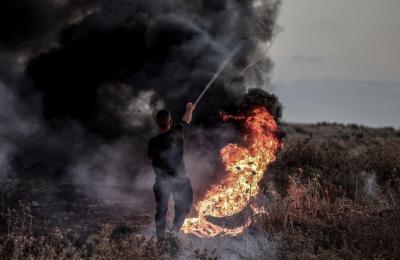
(312, 225)
(22, 242)
(340, 200)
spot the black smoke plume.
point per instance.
(84, 78)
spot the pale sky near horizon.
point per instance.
(339, 61)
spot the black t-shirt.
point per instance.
(166, 151)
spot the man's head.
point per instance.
(163, 119)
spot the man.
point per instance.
(166, 152)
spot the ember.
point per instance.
(245, 167)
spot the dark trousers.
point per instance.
(181, 190)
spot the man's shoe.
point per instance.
(172, 240)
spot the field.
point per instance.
(333, 193)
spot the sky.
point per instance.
(339, 61)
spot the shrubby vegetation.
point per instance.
(337, 197)
(342, 197)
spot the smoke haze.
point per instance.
(80, 81)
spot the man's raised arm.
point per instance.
(187, 117)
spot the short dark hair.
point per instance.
(162, 118)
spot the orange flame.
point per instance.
(245, 167)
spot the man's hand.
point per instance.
(187, 117)
(190, 106)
